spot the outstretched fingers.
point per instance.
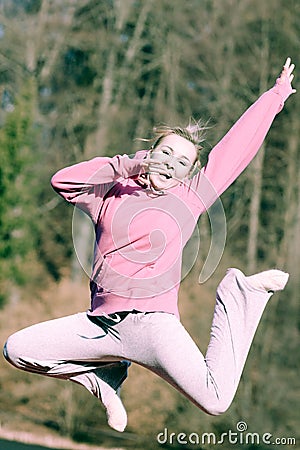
(287, 73)
(288, 68)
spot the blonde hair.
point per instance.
(194, 132)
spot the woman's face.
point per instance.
(177, 156)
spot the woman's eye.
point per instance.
(182, 163)
(166, 152)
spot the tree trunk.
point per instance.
(257, 167)
(256, 181)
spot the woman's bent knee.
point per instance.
(5, 351)
(217, 408)
(218, 411)
(12, 350)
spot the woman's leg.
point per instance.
(70, 348)
(165, 347)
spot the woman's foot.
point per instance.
(269, 280)
(116, 413)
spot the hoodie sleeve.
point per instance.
(85, 184)
(237, 148)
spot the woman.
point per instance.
(144, 210)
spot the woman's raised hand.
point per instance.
(287, 73)
(152, 165)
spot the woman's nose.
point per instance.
(170, 163)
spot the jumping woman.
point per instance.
(144, 210)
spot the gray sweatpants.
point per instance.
(77, 349)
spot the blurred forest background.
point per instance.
(84, 78)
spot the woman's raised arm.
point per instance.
(239, 146)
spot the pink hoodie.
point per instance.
(140, 235)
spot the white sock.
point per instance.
(269, 280)
(116, 413)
